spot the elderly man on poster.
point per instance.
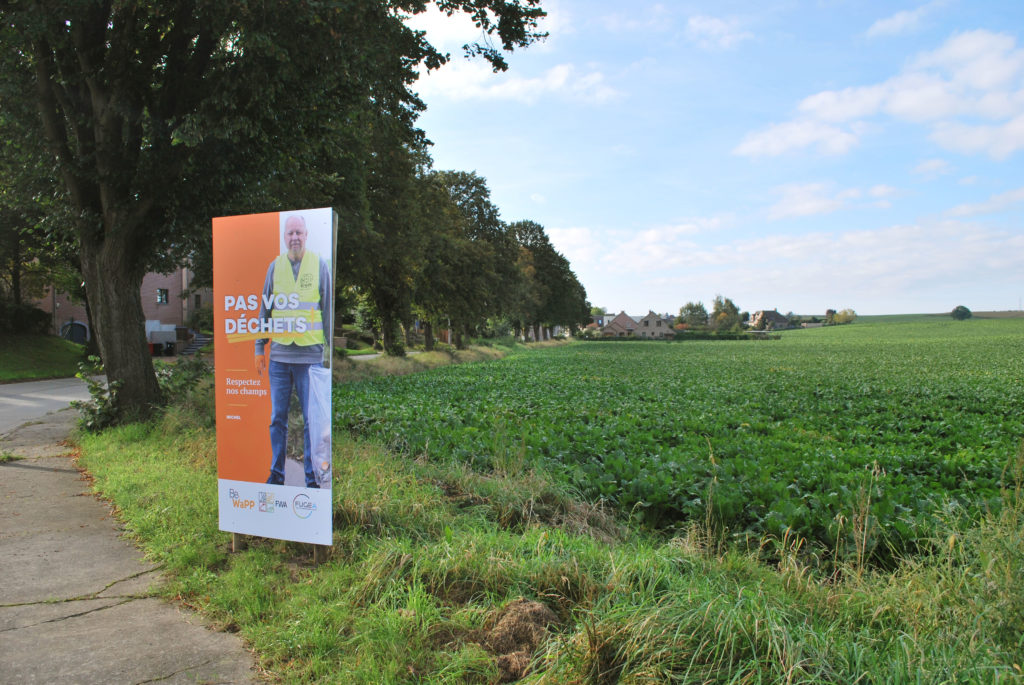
(298, 289)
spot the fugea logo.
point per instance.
(303, 506)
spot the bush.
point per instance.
(960, 313)
(22, 318)
(101, 411)
(844, 316)
(176, 382)
(201, 319)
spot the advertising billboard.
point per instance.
(273, 294)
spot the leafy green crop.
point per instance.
(856, 438)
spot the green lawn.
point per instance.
(31, 357)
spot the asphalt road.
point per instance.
(23, 402)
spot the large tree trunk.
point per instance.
(16, 272)
(410, 335)
(536, 332)
(428, 336)
(115, 303)
(389, 339)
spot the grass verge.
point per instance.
(349, 371)
(33, 357)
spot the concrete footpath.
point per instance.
(76, 601)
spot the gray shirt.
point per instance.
(292, 353)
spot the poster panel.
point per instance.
(273, 291)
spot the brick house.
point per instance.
(162, 301)
(621, 326)
(655, 326)
(768, 320)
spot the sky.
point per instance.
(792, 155)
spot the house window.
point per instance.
(646, 322)
(161, 295)
(199, 301)
(659, 322)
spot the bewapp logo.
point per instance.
(303, 506)
(239, 503)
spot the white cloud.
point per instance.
(580, 245)
(996, 203)
(655, 18)
(810, 199)
(659, 247)
(973, 75)
(843, 105)
(932, 167)
(901, 22)
(980, 60)
(713, 32)
(791, 135)
(807, 200)
(998, 142)
(538, 198)
(902, 264)
(474, 80)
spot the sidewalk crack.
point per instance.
(64, 618)
(184, 670)
(91, 595)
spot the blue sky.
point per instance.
(790, 155)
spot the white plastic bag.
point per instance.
(319, 419)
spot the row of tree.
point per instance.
(126, 126)
(445, 257)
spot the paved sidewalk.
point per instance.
(75, 598)
(25, 401)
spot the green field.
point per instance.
(860, 439)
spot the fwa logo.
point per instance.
(303, 506)
(266, 502)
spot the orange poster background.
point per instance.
(243, 247)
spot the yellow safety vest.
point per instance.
(307, 287)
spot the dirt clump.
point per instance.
(515, 633)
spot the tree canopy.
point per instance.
(725, 315)
(693, 314)
(157, 116)
(960, 313)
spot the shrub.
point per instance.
(844, 316)
(201, 319)
(22, 318)
(101, 411)
(960, 313)
(177, 380)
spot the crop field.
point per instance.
(859, 439)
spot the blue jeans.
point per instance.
(283, 377)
